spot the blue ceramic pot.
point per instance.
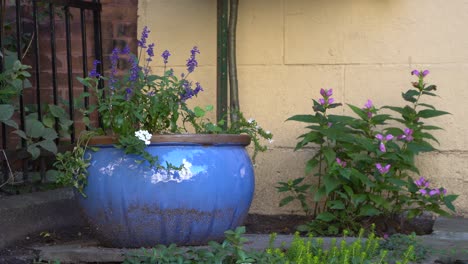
(135, 205)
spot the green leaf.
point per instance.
(48, 145)
(304, 118)
(286, 200)
(10, 123)
(432, 128)
(329, 154)
(319, 194)
(417, 147)
(428, 113)
(331, 183)
(34, 128)
(394, 108)
(427, 105)
(57, 111)
(348, 190)
(209, 108)
(337, 204)
(199, 112)
(48, 121)
(49, 134)
(34, 151)
(310, 165)
(358, 111)
(21, 134)
(358, 198)
(369, 210)
(410, 95)
(6, 112)
(326, 217)
(379, 201)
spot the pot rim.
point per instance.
(201, 139)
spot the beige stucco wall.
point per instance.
(289, 49)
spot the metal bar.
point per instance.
(19, 51)
(37, 60)
(2, 63)
(53, 51)
(69, 72)
(84, 52)
(98, 48)
(232, 60)
(221, 82)
(76, 3)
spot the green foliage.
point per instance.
(364, 166)
(301, 250)
(398, 244)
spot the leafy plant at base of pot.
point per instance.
(365, 167)
(301, 250)
(140, 102)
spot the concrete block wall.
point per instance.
(363, 49)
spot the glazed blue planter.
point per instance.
(135, 205)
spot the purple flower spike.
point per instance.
(383, 139)
(192, 62)
(165, 56)
(329, 92)
(379, 137)
(415, 72)
(383, 169)
(150, 51)
(94, 72)
(422, 183)
(321, 101)
(389, 137)
(125, 51)
(369, 104)
(444, 191)
(144, 36)
(425, 72)
(341, 162)
(423, 191)
(331, 100)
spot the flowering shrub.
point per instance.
(364, 166)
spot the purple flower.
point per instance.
(434, 192)
(134, 69)
(125, 51)
(407, 135)
(423, 191)
(331, 100)
(321, 101)
(383, 140)
(384, 169)
(165, 56)
(340, 162)
(188, 91)
(326, 102)
(420, 74)
(150, 52)
(326, 93)
(170, 72)
(144, 36)
(422, 183)
(369, 104)
(94, 72)
(192, 61)
(114, 64)
(385, 236)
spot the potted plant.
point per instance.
(148, 181)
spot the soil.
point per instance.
(21, 253)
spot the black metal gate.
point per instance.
(58, 39)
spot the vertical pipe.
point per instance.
(37, 60)
(221, 84)
(84, 52)
(69, 72)
(232, 60)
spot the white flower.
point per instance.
(250, 121)
(268, 132)
(143, 135)
(257, 127)
(270, 141)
